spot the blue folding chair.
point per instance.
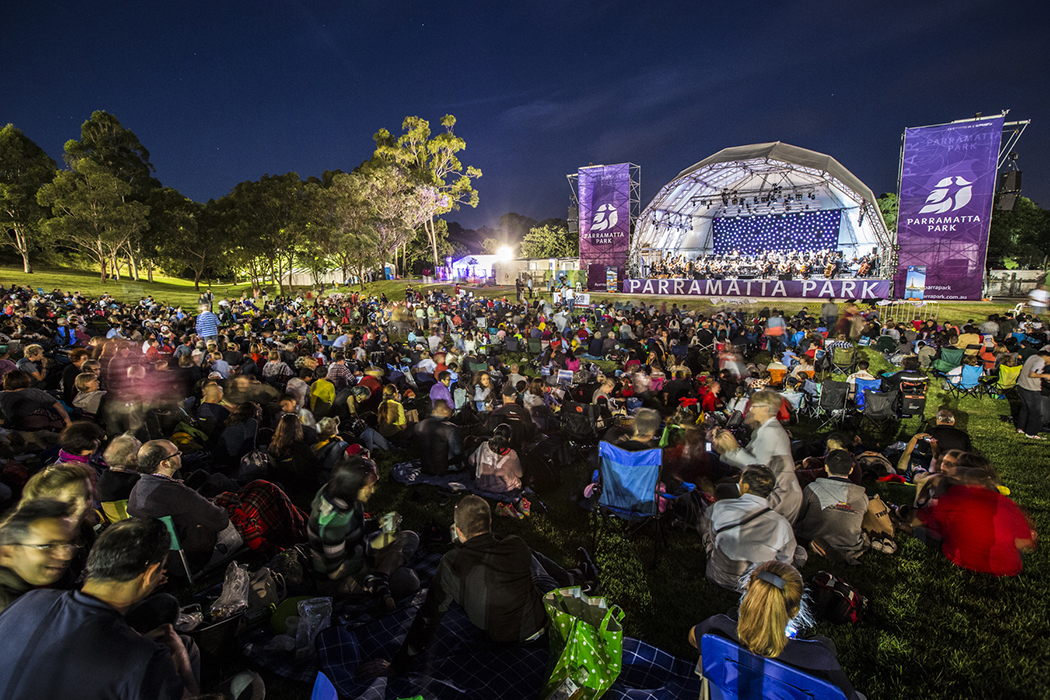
(862, 384)
(966, 383)
(731, 672)
(629, 488)
(323, 688)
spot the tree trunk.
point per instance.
(197, 280)
(149, 269)
(25, 263)
(432, 235)
(134, 267)
(116, 268)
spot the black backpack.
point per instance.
(835, 600)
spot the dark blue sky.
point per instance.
(222, 92)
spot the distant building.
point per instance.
(540, 269)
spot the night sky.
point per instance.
(222, 92)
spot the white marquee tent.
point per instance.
(755, 180)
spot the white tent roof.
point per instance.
(764, 178)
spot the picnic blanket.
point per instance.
(258, 647)
(461, 664)
(411, 474)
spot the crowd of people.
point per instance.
(253, 425)
(768, 264)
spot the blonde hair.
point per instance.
(767, 609)
(47, 483)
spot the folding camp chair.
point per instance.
(880, 408)
(843, 360)
(176, 546)
(861, 385)
(579, 421)
(797, 400)
(1004, 381)
(731, 672)
(535, 346)
(887, 346)
(115, 511)
(913, 397)
(628, 485)
(949, 359)
(831, 406)
(965, 383)
(512, 344)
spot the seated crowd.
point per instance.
(252, 429)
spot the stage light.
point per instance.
(505, 253)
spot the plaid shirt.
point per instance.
(339, 375)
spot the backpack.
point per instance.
(835, 600)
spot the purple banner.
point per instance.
(780, 289)
(605, 215)
(947, 189)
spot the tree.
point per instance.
(489, 246)
(889, 205)
(515, 227)
(1023, 234)
(24, 169)
(105, 141)
(549, 242)
(443, 181)
(267, 221)
(190, 234)
(92, 211)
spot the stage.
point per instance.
(859, 289)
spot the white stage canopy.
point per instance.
(761, 179)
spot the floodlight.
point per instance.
(505, 253)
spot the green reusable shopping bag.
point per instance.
(587, 642)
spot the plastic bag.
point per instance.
(315, 615)
(234, 598)
(190, 618)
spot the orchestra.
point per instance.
(770, 264)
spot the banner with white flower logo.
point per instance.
(947, 190)
(605, 215)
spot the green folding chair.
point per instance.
(176, 546)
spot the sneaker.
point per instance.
(1020, 431)
(1037, 437)
(507, 511)
(524, 506)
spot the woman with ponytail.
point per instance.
(771, 611)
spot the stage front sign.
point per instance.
(775, 289)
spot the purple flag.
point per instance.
(605, 215)
(947, 188)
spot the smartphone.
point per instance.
(389, 522)
(708, 447)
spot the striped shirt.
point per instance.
(207, 325)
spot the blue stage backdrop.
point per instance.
(810, 230)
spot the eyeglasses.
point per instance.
(56, 547)
(174, 454)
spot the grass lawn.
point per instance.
(933, 630)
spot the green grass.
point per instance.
(933, 630)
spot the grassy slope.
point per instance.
(933, 630)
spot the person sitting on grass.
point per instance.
(739, 532)
(772, 611)
(499, 582)
(346, 561)
(833, 508)
(973, 523)
(497, 467)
